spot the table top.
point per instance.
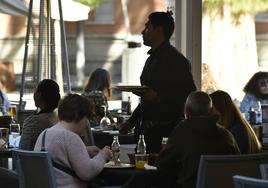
(120, 176)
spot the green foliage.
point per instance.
(238, 7)
(91, 3)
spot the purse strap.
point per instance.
(55, 164)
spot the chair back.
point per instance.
(8, 178)
(264, 171)
(34, 168)
(249, 182)
(218, 170)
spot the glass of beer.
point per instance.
(12, 111)
(141, 160)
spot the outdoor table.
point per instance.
(127, 176)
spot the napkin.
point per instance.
(150, 167)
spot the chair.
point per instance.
(218, 170)
(249, 182)
(87, 136)
(9, 178)
(264, 171)
(35, 169)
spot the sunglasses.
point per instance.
(263, 82)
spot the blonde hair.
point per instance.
(231, 115)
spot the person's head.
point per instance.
(258, 85)
(158, 28)
(100, 80)
(47, 95)
(74, 108)
(225, 107)
(231, 116)
(197, 104)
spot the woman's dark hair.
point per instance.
(100, 80)
(74, 107)
(252, 86)
(164, 20)
(50, 93)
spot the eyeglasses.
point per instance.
(263, 82)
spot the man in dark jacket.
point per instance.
(167, 74)
(198, 135)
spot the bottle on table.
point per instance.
(115, 147)
(255, 113)
(141, 146)
(128, 105)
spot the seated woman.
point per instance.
(255, 90)
(98, 90)
(232, 119)
(46, 98)
(66, 148)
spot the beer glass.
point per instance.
(14, 133)
(12, 112)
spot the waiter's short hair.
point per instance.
(164, 20)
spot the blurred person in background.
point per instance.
(232, 119)
(255, 90)
(67, 150)
(4, 101)
(46, 98)
(98, 90)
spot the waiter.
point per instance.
(167, 74)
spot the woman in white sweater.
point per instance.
(66, 148)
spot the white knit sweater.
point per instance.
(67, 148)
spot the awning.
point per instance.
(13, 7)
(72, 11)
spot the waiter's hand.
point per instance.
(124, 128)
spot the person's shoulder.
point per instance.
(249, 95)
(42, 119)
(223, 131)
(62, 132)
(182, 126)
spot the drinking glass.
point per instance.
(12, 112)
(105, 122)
(141, 160)
(14, 133)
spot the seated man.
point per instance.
(198, 135)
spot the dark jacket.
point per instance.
(167, 72)
(192, 138)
